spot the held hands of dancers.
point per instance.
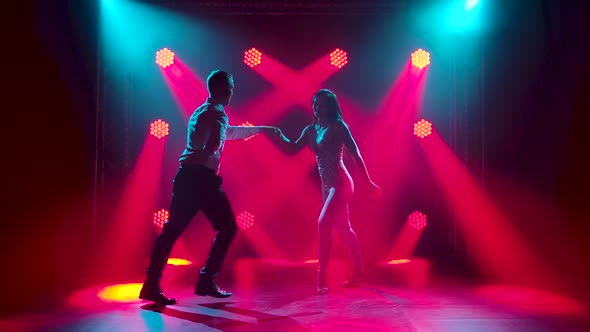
(271, 131)
(276, 132)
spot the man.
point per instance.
(198, 187)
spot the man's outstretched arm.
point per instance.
(241, 132)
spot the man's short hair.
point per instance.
(218, 78)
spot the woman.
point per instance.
(328, 136)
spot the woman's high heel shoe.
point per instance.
(322, 282)
(358, 278)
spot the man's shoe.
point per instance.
(211, 289)
(156, 295)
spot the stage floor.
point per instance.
(277, 295)
(296, 307)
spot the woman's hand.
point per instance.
(374, 190)
(271, 131)
(277, 132)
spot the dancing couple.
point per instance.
(198, 187)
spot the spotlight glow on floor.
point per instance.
(121, 293)
(179, 262)
(399, 261)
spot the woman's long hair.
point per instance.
(334, 113)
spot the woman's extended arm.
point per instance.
(353, 149)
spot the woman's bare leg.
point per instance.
(334, 206)
(349, 238)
